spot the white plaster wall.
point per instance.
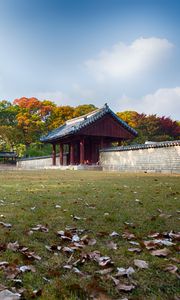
(39, 163)
(165, 160)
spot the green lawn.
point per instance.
(88, 206)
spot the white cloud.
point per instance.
(125, 61)
(58, 97)
(82, 92)
(164, 101)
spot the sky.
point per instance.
(122, 52)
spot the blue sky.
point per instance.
(124, 52)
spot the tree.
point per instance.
(130, 117)
(8, 113)
(59, 116)
(151, 127)
(83, 110)
(10, 137)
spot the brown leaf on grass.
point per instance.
(137, 250)
(2, 247)
(130, 224)
(101, 260)
(7, 225)
(53, 248)
(112, 245)
(105, 261)
(13, 246)
(125, 272)
(37, 293)
(2, 287)
(75, 238)
(174, 235)
(30, 254)
(150, 244)
(171, 268)
(91, 242)
(154, 235)
(3, 263)
(104, 271)
(134, 243)
(76, 218)
(128, 235)
(11, 271)
(40, 227)
(28, 268)
(8, 295)
(67, 250)
(125, 287)
(88, 241)
(114, 234)
(142, 264)
(165, 216)
(161, 252)
(78, 272)
(175, 259)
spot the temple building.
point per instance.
(79, 140)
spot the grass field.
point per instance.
(81, 261)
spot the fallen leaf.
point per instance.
(40, 227)
(154, 235)
(142, 264)
(27, 269)
(175, 235)
(125, 287)
(137, 250)
(7, 225)
(112, 245)
(161, 252)
(125, 272)
(150, 244)
(13, 246)
(2, 287)
(130, 224)
(113, 234)
(165, 216)
(8, 295)
(134, 243)
(128, 235)
(104, 271)
(171, 268)
(91, 242)
(3, 263)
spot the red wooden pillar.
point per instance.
(61, 154)
(82, 151)
(102, 143)
(93, 150)
(54, 155)
(72, 153)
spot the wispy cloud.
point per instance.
(164, 101)
(125, 61)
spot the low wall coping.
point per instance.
(142, 146)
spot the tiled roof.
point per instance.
(143, 146)
(8, 154)
(73, 126)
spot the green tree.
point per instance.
(83, 110)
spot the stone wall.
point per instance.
(161, 157)
(35, 162)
